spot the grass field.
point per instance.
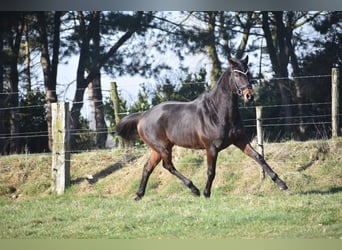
(99, 203)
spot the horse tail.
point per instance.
(127, 127)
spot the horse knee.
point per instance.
(168, 166)
(258, 157)
(211, 174)
(148, 169)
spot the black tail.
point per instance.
(127, 127)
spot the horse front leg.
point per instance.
(244, 145)
(167, 164)
(211, 170)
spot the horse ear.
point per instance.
(232, 62)
(245, 61)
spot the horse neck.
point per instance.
(224, 100)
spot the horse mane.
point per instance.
(219, 87)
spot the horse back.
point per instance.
(176, 123)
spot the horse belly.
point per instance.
(185, 134)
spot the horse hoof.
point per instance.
(207, 196)
(196, 192)
(138, 198)
(283, 187)
(281, 184)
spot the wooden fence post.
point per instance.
(258, 110)
(335, 80)
(115, 100)
(260, 139)
(60, 147)
(116, 105)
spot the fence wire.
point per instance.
(248, 123)
(310, 119)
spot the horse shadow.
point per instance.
(331, 190)
(92, 179)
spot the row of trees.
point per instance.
(129, 43)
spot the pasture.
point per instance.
(99, 203)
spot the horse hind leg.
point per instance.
(148, 169)
(167, 164)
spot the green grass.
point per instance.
(178, 217)
(241, 207)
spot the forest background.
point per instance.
(180, 55)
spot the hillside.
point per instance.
(307, 167)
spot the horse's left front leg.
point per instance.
(244, 145)
(211, 170)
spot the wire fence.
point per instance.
(317, 117)
(249, 123)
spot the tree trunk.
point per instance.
(98, 110)
(95, 86)
(81, 84)
(296, 72)
(2, 98)
(2, 95)
(28, 59)
(14, 103)
(93, 69)
(278, 52)
(216, 69)
(246, 29)
(49, 70)
(225, 35)
(14, 41)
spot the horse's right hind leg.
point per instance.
(148, 169)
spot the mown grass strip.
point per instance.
(178, 217)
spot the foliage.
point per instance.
(109, 112)
(84, 137)
(190, 88)
(33, 122)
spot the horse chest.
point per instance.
(235, 132)
(227, 136)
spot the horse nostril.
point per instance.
(249, 97)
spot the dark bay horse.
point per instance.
(211, 122)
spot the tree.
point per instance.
(91, 61)
(278, 29)
(49, 66)
(12, 30)
(213, 33)
(320, 61)
(95, 85)
(187, 90)
(33, 122)
(2, 92)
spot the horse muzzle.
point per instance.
(248, 95)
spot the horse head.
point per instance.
(240, 77)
